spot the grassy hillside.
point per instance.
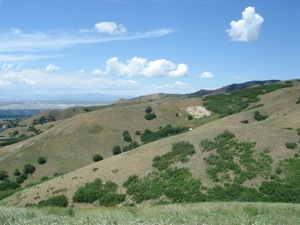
(72, 143)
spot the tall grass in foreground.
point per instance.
(200, 213)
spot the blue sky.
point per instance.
(139, 47)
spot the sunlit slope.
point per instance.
(279, 128)
(72, 142)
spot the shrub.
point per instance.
(7, 185)
(138, 132)
(190, 117)
(97, 158)
(125, 132)
(298, 130)
(245, 121)
(57, 201)
(150, 116)
(3, 174)
(21, 178)
(148, 109)
(42, 160)
(106, 194)
(29, 169)
(291, 145)
(298, 101)
(117, 150)
(176, 184)
(149, 136)
(180, 152)
(17, 172)
(259, 117)
(127, 138)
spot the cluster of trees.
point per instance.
(127, 138)
(43, 120)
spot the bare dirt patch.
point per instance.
(197, 111)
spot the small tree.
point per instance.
(190, 117)
(291, 145)
(127, 138)
(3, 174)
(259, 117)
(42, 160)
(97, 158)
(17, 172)
(117, 150)
(125, 132)
(148, 109)
(21, 178)
(58, 201)
(150, 116)
(29, 169)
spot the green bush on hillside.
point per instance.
(259, 117)
(29, 169)
(42, 160)
(17, 172)
(180, 152)
(148, 109)
(21, 178)
(126, 136)
(288, 189)
(3, 174)
(96, 190)
(7, 185)
(291, 145)
(57, 201)
(177, 185)
(97, 158)
(149, 136)
(298, 101)
(150, 116)
(117, 150)
(237, 158)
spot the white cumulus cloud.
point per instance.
(110, 28)
(247, 28)
(52, 68)
(206, 75)
(141, 67)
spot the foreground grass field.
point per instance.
(201, 213)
